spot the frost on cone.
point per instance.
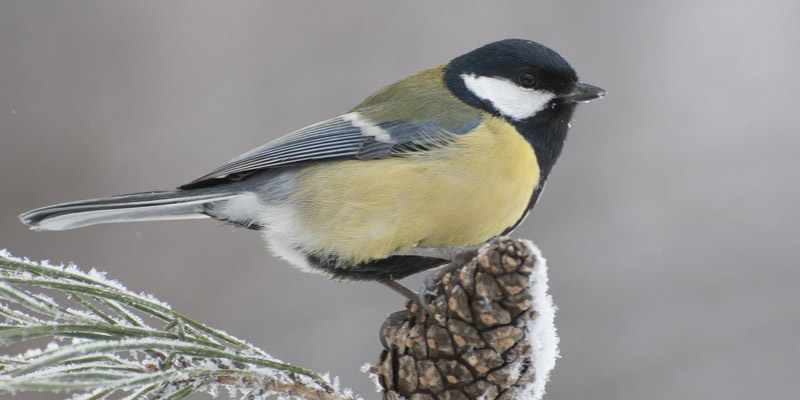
(491, 335)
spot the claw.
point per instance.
(429, 284)
(427, 287)
(391, 320)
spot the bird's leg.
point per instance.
(399, 288)
(458, 257)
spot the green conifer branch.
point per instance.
(102, 343)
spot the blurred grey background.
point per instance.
(671, 223)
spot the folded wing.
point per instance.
(355, 135)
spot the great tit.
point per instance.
(448, 158)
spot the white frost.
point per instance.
(541, 330)
(124, 361)
(372, 376)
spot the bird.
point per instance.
(441, 161)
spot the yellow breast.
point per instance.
(460, 195)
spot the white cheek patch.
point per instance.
(368, 128)
(509, 99)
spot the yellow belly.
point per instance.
(460, 195)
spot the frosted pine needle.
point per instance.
(111, 342)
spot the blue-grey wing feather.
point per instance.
(341, 137)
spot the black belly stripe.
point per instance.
(394, 267)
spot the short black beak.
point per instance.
(583, 92)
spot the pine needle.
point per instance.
(116, 340)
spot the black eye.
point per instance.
(526, 79)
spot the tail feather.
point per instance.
(151, 206)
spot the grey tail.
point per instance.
(150, 206)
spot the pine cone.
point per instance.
(489, 335)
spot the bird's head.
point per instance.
(516, 78)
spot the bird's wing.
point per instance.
(360, 134)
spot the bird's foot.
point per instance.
(428, 286)
(458, 257)
(393, 319)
